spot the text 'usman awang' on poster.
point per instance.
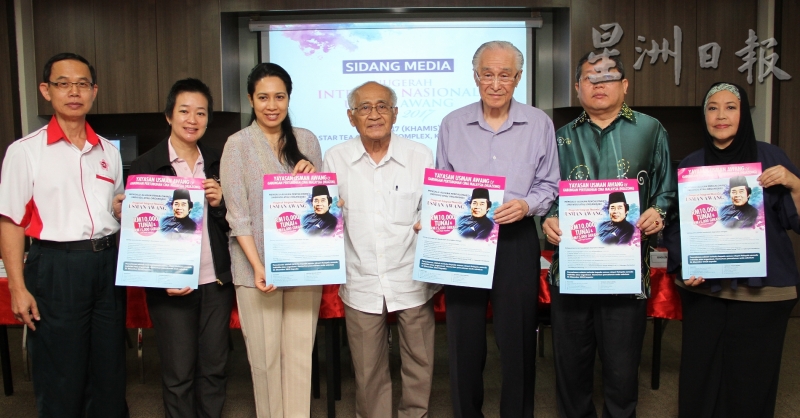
(162, 231)
(600, 244)
(722, 221)
(458, 241)
(303, 230)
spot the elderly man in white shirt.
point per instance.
(380, 179)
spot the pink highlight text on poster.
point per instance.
(584, 231)
(287, 223)
(705, 215)
(145, 224)
(443, 222)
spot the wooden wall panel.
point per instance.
(62, 26)
(126, 56)
(10, 124)
(588, 14)
(189, 43)
(563, 81)
(726, 23)
(655, 20)
(232, 85)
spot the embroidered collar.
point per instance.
(626, 112)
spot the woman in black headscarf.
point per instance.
(733, 329)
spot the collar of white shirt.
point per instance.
(360, 152)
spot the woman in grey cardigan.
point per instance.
(278, 323)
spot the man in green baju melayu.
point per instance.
(607, 141)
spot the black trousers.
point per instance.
(730, 356)
(613, 327)
(78, 348)
(192, 332)
(514, 296)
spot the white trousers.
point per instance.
(279, 329)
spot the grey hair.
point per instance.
(505, 45)
(351, 97)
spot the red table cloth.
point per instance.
(663, 303)
(6, 317)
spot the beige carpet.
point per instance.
(145, 399)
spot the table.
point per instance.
(6, 318)
(664, 304)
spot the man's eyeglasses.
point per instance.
(602, 78)
(490, 78)
(365, 109)
(66, 85)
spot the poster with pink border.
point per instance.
(600, 245)
(722, 221)
(457, 244)
(303, 230)
(162, 232)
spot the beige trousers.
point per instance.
(279, 329)
(367, 336)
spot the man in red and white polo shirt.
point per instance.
(61, 185)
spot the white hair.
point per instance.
(351, 97)
(504, 45)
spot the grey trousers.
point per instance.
(367, 336)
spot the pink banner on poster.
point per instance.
(712, 172)
(589, 187)
(282, 181)
(465, 180)
(148, 181)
